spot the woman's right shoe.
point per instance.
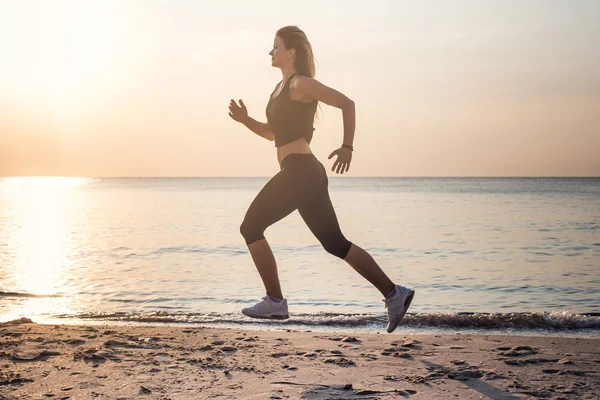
(268, 309)
(397, 306)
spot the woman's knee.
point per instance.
(251, 231)
(336, 245)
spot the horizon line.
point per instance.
(333, 176)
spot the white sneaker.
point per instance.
(398, 305)
(268, 309)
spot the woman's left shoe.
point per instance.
(397, 306)
(268, 309)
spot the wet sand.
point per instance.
(39, 361)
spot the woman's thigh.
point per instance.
(320, 217)
(277, 199)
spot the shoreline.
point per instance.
(404, 329)
(127, 361)
(589, 328)
(555, 323)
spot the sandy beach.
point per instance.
(166, 362)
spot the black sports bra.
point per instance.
(290, 119)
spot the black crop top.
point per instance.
(290, 119)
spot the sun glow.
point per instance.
(37, 232)
(66, 57)
(76, 53)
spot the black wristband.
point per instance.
(348, 147)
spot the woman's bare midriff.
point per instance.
(300, 146)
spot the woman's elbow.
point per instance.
(348, 104)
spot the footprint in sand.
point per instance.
(12, 378)
(74, 342)
(410, 343)
(34, 356)
(341, 361)
(518, 351)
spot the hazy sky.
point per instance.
(442, 88)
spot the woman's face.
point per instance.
(279, 55)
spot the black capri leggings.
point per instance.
(301, 184)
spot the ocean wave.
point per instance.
(23, 294)
(466, 320)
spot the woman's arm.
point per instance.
(260, 128)
(311, 88)
(240, 114)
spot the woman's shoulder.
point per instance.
(302, 78)
(305, 84)
(300, 81)
(300, 89)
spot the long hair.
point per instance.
(294, 38)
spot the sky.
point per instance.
(116, 88)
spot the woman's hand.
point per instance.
(342, 163)
(238, 113)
